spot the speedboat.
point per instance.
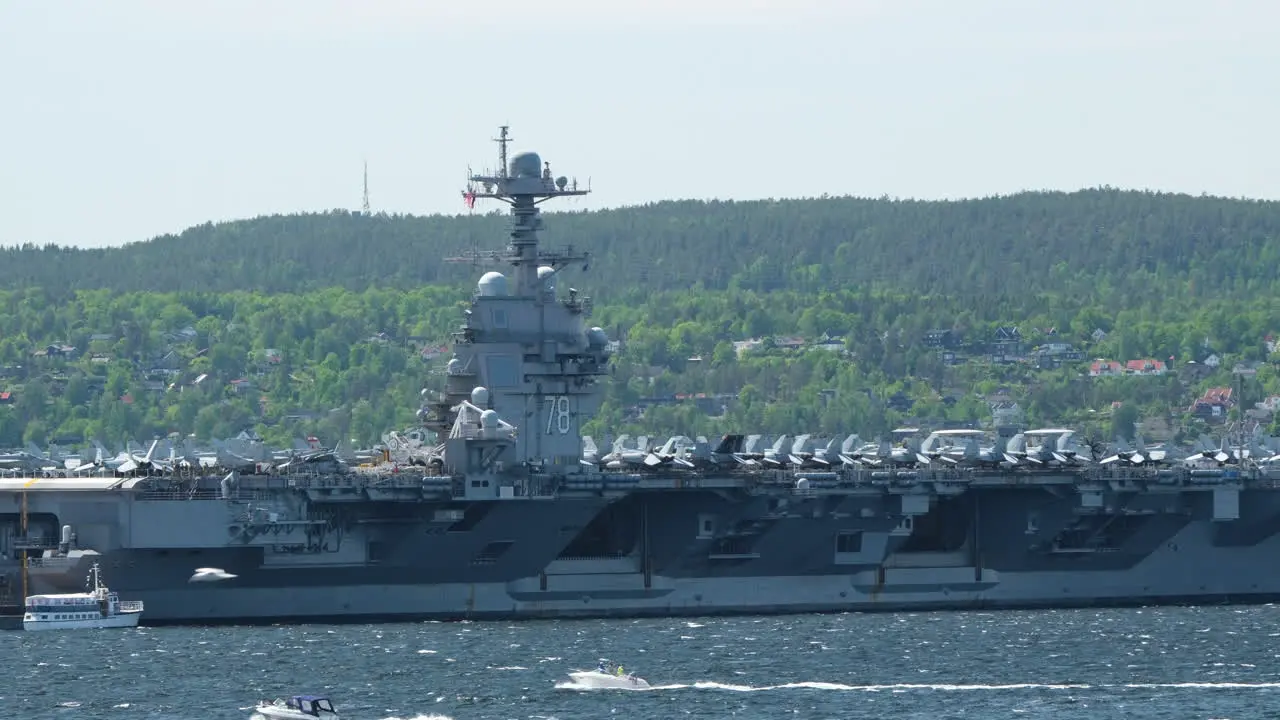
(298, 707)
(608, 676)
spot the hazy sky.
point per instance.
(126, 119)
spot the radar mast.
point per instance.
(523, 181)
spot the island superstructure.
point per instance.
(505, 514)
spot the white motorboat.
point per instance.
(608, 676)
(298, 707)
(98, 608)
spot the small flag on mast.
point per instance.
(470, 199)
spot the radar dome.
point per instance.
(480, 396)
(493, 284)
(526, 165)
(597, 338)
(561, 182)
(489, 419)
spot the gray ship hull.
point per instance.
(1185, 571)
(858, 546)
(1164, 579)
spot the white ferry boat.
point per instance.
(99, 608)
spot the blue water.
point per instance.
(1212, 663)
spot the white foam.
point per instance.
(939, 687)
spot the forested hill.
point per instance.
(1122, 246)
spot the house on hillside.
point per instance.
(1144, 367)
(831, 343)
(1007, 414)
(56, 351)
(167, 365)
(1105, 368)
(1193, 372)
(1006, 345)
(942, 339)
(1213, 404)
(1246, 368)
(1052, 355)
(1266, 410)
(185, 335)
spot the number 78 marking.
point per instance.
(558, 415)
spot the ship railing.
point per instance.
(52, 563)
(129, 606)
(310, 481)
(472, 433)
(1123, 473)
(33, 542)
(176, 494)
(205, 494)
(542, 487)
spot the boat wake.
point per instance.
(579, 684)
(256, 716)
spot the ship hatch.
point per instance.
(945, 528)
(612, 533)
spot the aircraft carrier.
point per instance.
(507, 513)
